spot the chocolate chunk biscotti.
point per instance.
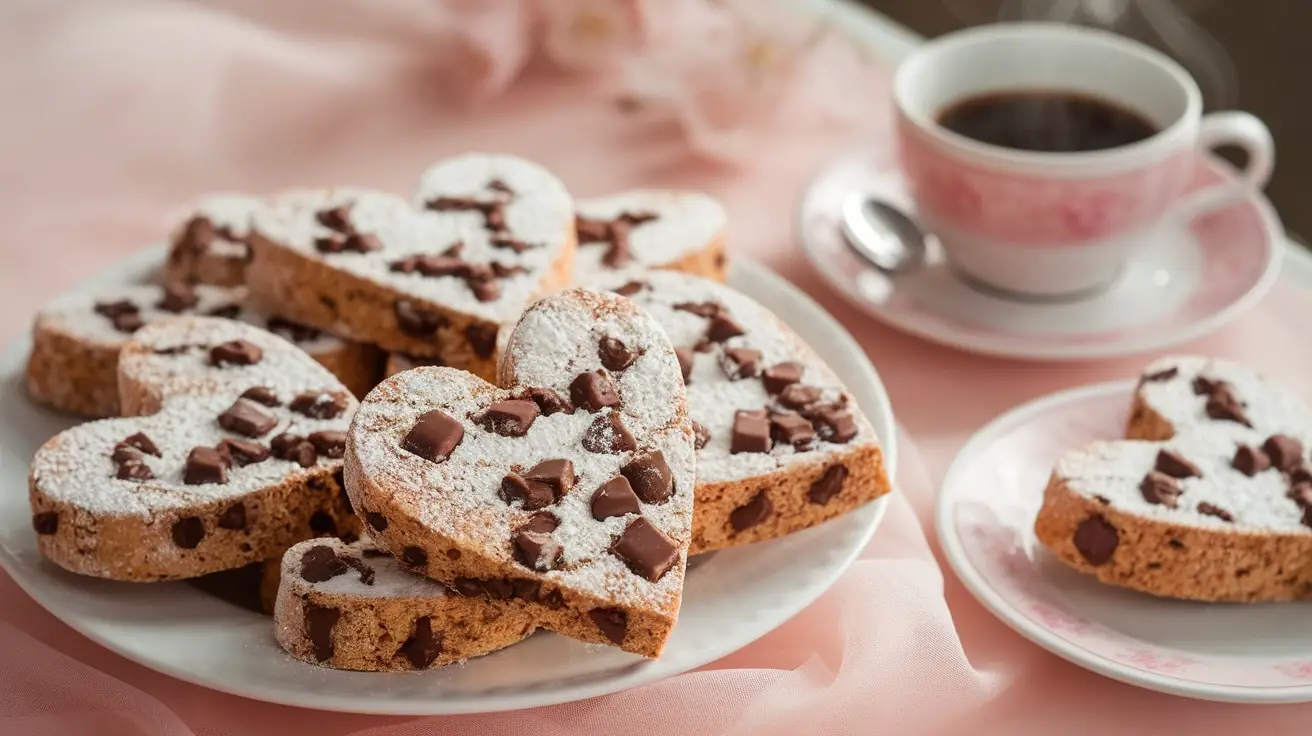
(781, 444)
(211, 246)
(229, 452)
(1210, 499)
(648, 229)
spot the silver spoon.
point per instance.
(882, 234)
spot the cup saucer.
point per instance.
(1198, 275)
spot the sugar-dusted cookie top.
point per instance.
(1194, 391)
(357, 569)
(217, 231)
(644, 228)
(217, 409)
(760, 398)
(579, 474)
(482, 233)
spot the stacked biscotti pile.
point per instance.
(1209, 498)
(560, 403)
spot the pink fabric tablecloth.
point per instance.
(117, 113)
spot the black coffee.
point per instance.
(1046, 120)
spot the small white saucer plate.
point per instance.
(1195, 277)
(730, 599)
(1256, 653)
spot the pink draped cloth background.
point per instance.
(118, 113)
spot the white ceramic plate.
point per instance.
(1254, 653)
(730, 600)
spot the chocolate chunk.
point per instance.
(116, 309)
(537, 550)
(319, 624)
(424, 645)
(751, 513)
(261, 395)
(722, 328)
(740, 363)
(614, 354)
(124, 454)
(188, 532)
(532, 495)
(1161, 489)
(235, 352)
(482, 338)
(650, 477)
(701, 309)
(615, 497)
(416, 320)
(631, 288)
(1224, 405)
(1165, 374)
(1285, 452)
(328, 244)
(134, 469)
(1250, 460)
(1207, 386)
(502, 271)
(645, 549)
(141, 442)
(1208, 509)
(701, 435)
(484, 290)
(607, 434)
(510, 418)
(414, 557)
(543, 522)
(320, 404)
(1175, 465)
(242, 452)
(686, 362)
(245, 417)
(613, 622)
(434, 437)
(792, 428)
(781, 375)
(177, 298)
(128, 323)
(376, 521)
(797, 396)
(1301, 474)
(323, 524)
(751, 432)
(556, 474)
(329, 443)
(1096, 540)
(835, 425)
(593, 391)
(233, 517)
(829, 484)
(297, 449)
(205, 465)
(320, 564)
(515, 244)
(591, 230)
(45, 523)
(1301, 494)
(337, 219)
(550, 401)
(362, 243)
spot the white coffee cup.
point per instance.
(1059, 224)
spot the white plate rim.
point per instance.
(880, 416)
(978, 586)
(1022, 347)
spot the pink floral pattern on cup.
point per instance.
(1008, 207)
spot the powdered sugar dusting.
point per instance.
(540, 213)
(685, 223)
(76, 466)
(74, 313)
(555, 340)
(390, 580)
(1271, 407)
(712, 396)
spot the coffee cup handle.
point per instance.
(1233, 128)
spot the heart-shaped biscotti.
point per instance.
(1210, 500)
(485, 235)
(76, 339)
(211, 246)
(650, 228)
(229, 452)
(355, 607)
(782, 445)
(568, 493)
